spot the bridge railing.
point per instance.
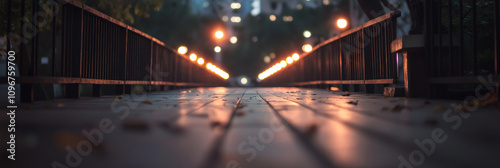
(360, 56)
(80, 45)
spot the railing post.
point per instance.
(497, 37)
(73, 90)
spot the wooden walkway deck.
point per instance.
(254, 127)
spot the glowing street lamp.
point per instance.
(217, 49)
(244, 81)
(295, 57)
(234, 39)
(342, 23)
(219, 34)
(193, 57)
(182, 50)
(201, 61)
(289, 60)
(307, 34)
(307, 48)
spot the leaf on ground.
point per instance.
(385, 108)
(427, 102)
(313, 99)
(134, 124)
(311, 129)
(60, 105)
(47, 107)
(438, 108)
(346, 94)
(215, 123)
(241, 113)
(165, 97)
(398, 108)
(147, 102)
(300, 98)
(215, 97)
(353, 102)
(491, 99)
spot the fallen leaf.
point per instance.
(398, 108)
(491, 99)
(60, 105)
(241, 113)
(311, 129)
(215, 123)
(438, 108)
(300, 99)
(427, 102)
(346, 94)
(215, 97)
(116, 98)
(385, 108)
(313, 99)
(47, 107)
(353, 102)
(134, 124)
(147, 102)
(165, 97)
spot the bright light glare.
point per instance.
(182, 50)
(295, 57)
(289, 60)
(217, 49)
(219, 34)
(235, 5)
(201, 61)
(342, 23)
(234, 39)
(193, 57)
(307, 34)
(283, 63)
(244, 81)
(217, 71)
(236, 19)
(272, 18)
(307, 48)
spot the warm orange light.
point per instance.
(182, 50)
(295, 57)
(193, 57)
(289, 60)
(217, 71)
(201, 61)
(307, 48)
(219, 34)
(342, 23)
(283, 63)
(272, 18)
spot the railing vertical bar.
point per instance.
(53, 49)
(439, 59)
(34, 45)
(9, 24)
(461, 32)
(22, 43)
(497, 44)
(474, 35)
(450, 48)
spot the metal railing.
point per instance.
(81, 45)
(360, 56)
(462, 40)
